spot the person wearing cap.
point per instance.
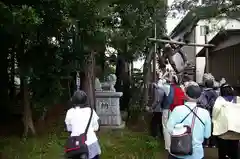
(201, 128)
(77, 119)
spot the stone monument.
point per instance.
(107, 104)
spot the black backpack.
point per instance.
(75, 145)
(210, 97)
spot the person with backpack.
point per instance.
(188, 125)
(179, 95)
(228, 148)
(208, 96)
(82, 123)
(207, 100)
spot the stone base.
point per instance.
(122, 126)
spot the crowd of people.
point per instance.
(182, 116)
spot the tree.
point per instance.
(41, 34)
(136, 21)
(210, 8)
(46, 42)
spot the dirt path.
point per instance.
(209, 154)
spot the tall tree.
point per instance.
(136, 21)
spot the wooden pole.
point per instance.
(207, 51)
(180, 43)
(154, 54)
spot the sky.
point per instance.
(171, 22)
(170, 25)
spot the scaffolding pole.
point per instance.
(154, 54)
(207, 51)
(179, 43)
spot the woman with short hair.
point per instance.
(77, 119)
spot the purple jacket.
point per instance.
(207, 99)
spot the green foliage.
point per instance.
(108, 69)
(114, 144)
(210, 8)
(78, 27)
(30, 28)
(134, 22)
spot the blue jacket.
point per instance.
(168, 99)
(207, 99)
(158, 100)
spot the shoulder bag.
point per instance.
(181, 145)
(76, 145)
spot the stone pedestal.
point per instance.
(108, 109)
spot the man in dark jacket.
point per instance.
(207, 100)
(208, 96)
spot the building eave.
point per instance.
(192, 17)
(188, 20)
(218, 38)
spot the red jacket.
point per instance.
(178, 98)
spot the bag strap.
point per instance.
(191, 110)
(89, 121)
(193, 119)
(195, 114)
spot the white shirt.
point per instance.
(76, 121)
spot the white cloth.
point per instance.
(238, 99)
(166, 134)
(225, 118)
(179, 62)
(179, 129)
(76, 121)
(166, 88)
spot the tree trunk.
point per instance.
(131, 70)
(25, 100)
(126, 87)
(89, 79)
(69, 88)
(4, 103)
(123, 82)
(93, 70)
(27, 113)
(12, 93)
(146, 78)
(119, 73)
